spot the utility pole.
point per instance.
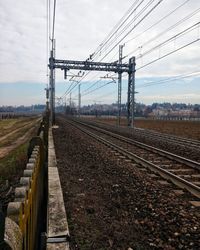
(52, 83)
(79, 100)
(70, 102)
(120, 85)
(51, 86)
(47, 98)
(131, 93)
(65, 104)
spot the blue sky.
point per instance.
(22, 93)
(81, 26)
(185, 90)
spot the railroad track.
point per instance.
(170, 138)
(183, 172)
(179, 141)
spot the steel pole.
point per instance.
(51, 88)
(79, 100)
(133, 94)
(119, 85)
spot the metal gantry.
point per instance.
(96, 66)
(119, 86)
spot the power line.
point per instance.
(165, 31)
(54, 17)
(159, 21)
(172, 52)
(146, 15)
(145, 53)
(97, 88)
(116, 28)
(128, 32)
(169, 79)
(131, 22)
(68, 90)
(47, 39)
(183, 32)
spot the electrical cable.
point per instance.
(131, 29)
(54, 17)
(183, 32)
(116, 27)
(146, 15)
(97, 88)
(165, 31)
(145, 53)
(172, 52)
(169, 79)
(128, 25)
(159, 21)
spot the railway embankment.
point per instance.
(112, 204)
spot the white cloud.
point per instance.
(81, 25)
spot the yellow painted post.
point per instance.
(24, 210)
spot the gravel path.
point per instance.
(111, 205)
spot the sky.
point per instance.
(81, 27)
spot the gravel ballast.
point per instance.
(110, 204)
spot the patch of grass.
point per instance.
(6, 123)
(13, 164)
(12, 138)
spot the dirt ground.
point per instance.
(188, 129)
(14, 137)
(112, 205)
(16, 132)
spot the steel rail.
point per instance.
(178, 181)
(186, 141)
(171, 138)
(161, 152)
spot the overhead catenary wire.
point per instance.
(125, 36)
(186, 18)
(183, 32)
(169, 79)
(163, 18)
(132, 21)
(146, 15)
(109, 36)
(107, 83)
(115, 34)
(142, 55)
(139, 22)
(47, 39)
(172, 52)
(129, 31)
(68, 90)
(54, 18)
(159, 21)
(116, 28)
